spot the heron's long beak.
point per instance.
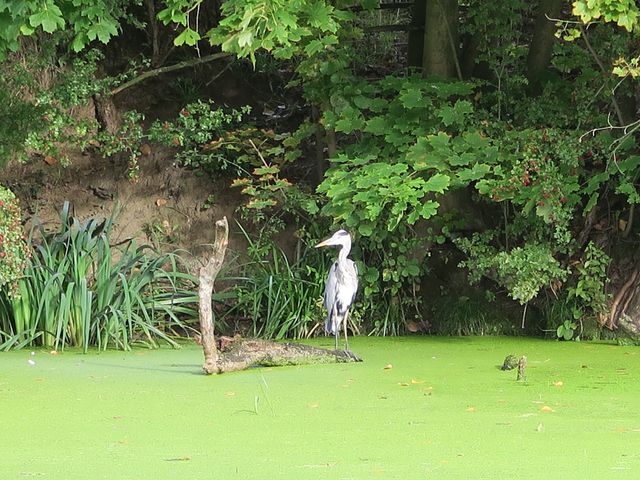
(324, 243)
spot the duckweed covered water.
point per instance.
(441, 409)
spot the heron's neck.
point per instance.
(344, 252)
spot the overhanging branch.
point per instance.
(171, 68)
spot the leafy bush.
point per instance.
(78, 290)
(523, 271)
(14, 253)
(197, 125)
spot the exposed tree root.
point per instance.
(623, 297)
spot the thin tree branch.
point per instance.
(171, 68)
(603, 70)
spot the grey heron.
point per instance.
(342, 285)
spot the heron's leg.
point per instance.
(345, 321)
(336, 333)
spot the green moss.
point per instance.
(443, 410)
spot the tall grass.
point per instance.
(81, 291)
(283, 299)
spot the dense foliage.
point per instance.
(521, 168)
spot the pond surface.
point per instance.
(416, 408)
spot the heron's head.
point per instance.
(341, 239)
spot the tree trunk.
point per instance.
(542, 42)
(106, 113)
(321, 162)
(440, 55)
(238, 354)
(416, 34)
(153, 33)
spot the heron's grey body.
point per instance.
(341, 287)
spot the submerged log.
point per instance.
(232, 354)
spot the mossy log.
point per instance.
(240, 354)
(232, 354)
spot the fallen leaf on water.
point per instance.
(388, 366)
(53, 352)
(546, 409)
(471, 409)
(403, 384)
(313, 405)
(229, 394)
(540, 428)
(559, 383)
(177, 459)
(416, 382)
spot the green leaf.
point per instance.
(361, 102)
(378, 105)
(319, 16)
(429, 209)
(478, 171)
(26, 29)
(103, 31)
(376, 125)
(245, 38)
(411, 98)
(593, 200)
(313, 47)
(187, 36)
(629, 164)
(365, 229)
(50, 18)
(79, 42)
(437, 183)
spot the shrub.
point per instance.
(14, 253)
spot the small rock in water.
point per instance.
(510, 362)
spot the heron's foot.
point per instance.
(352, 355)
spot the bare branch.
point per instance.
(171, 68)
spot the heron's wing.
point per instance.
(330, 288)
(354, 280)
